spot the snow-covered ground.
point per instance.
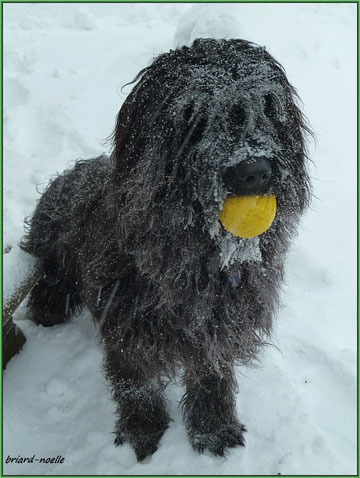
(64, 68)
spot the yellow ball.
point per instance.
(248, 216)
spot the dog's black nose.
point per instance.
(249, 177)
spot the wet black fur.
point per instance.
(136, 237)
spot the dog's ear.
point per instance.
(124, 137)
(295, 133)
(141, 115)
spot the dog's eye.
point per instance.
(270, 108)
(237, 115)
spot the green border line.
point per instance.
(183, 1)
(3, 2)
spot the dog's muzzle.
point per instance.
(250, 206)
(250, 177)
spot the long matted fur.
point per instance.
(136, 237)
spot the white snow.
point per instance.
(17, 265)
(234, 249)
(64, 65)
(207, 21)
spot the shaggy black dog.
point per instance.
(137, 238)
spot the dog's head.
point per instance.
(210, 121)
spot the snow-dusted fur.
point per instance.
(136, 237)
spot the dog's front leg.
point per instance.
(209, 409)
(142, 416)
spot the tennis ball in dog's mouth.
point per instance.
(248, 216)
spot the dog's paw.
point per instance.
(217, 442)
(144, 445)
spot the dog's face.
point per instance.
(214, 120)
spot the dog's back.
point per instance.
(55, 235)
(66, 203)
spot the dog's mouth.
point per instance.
(248, 216)
(250, 205)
